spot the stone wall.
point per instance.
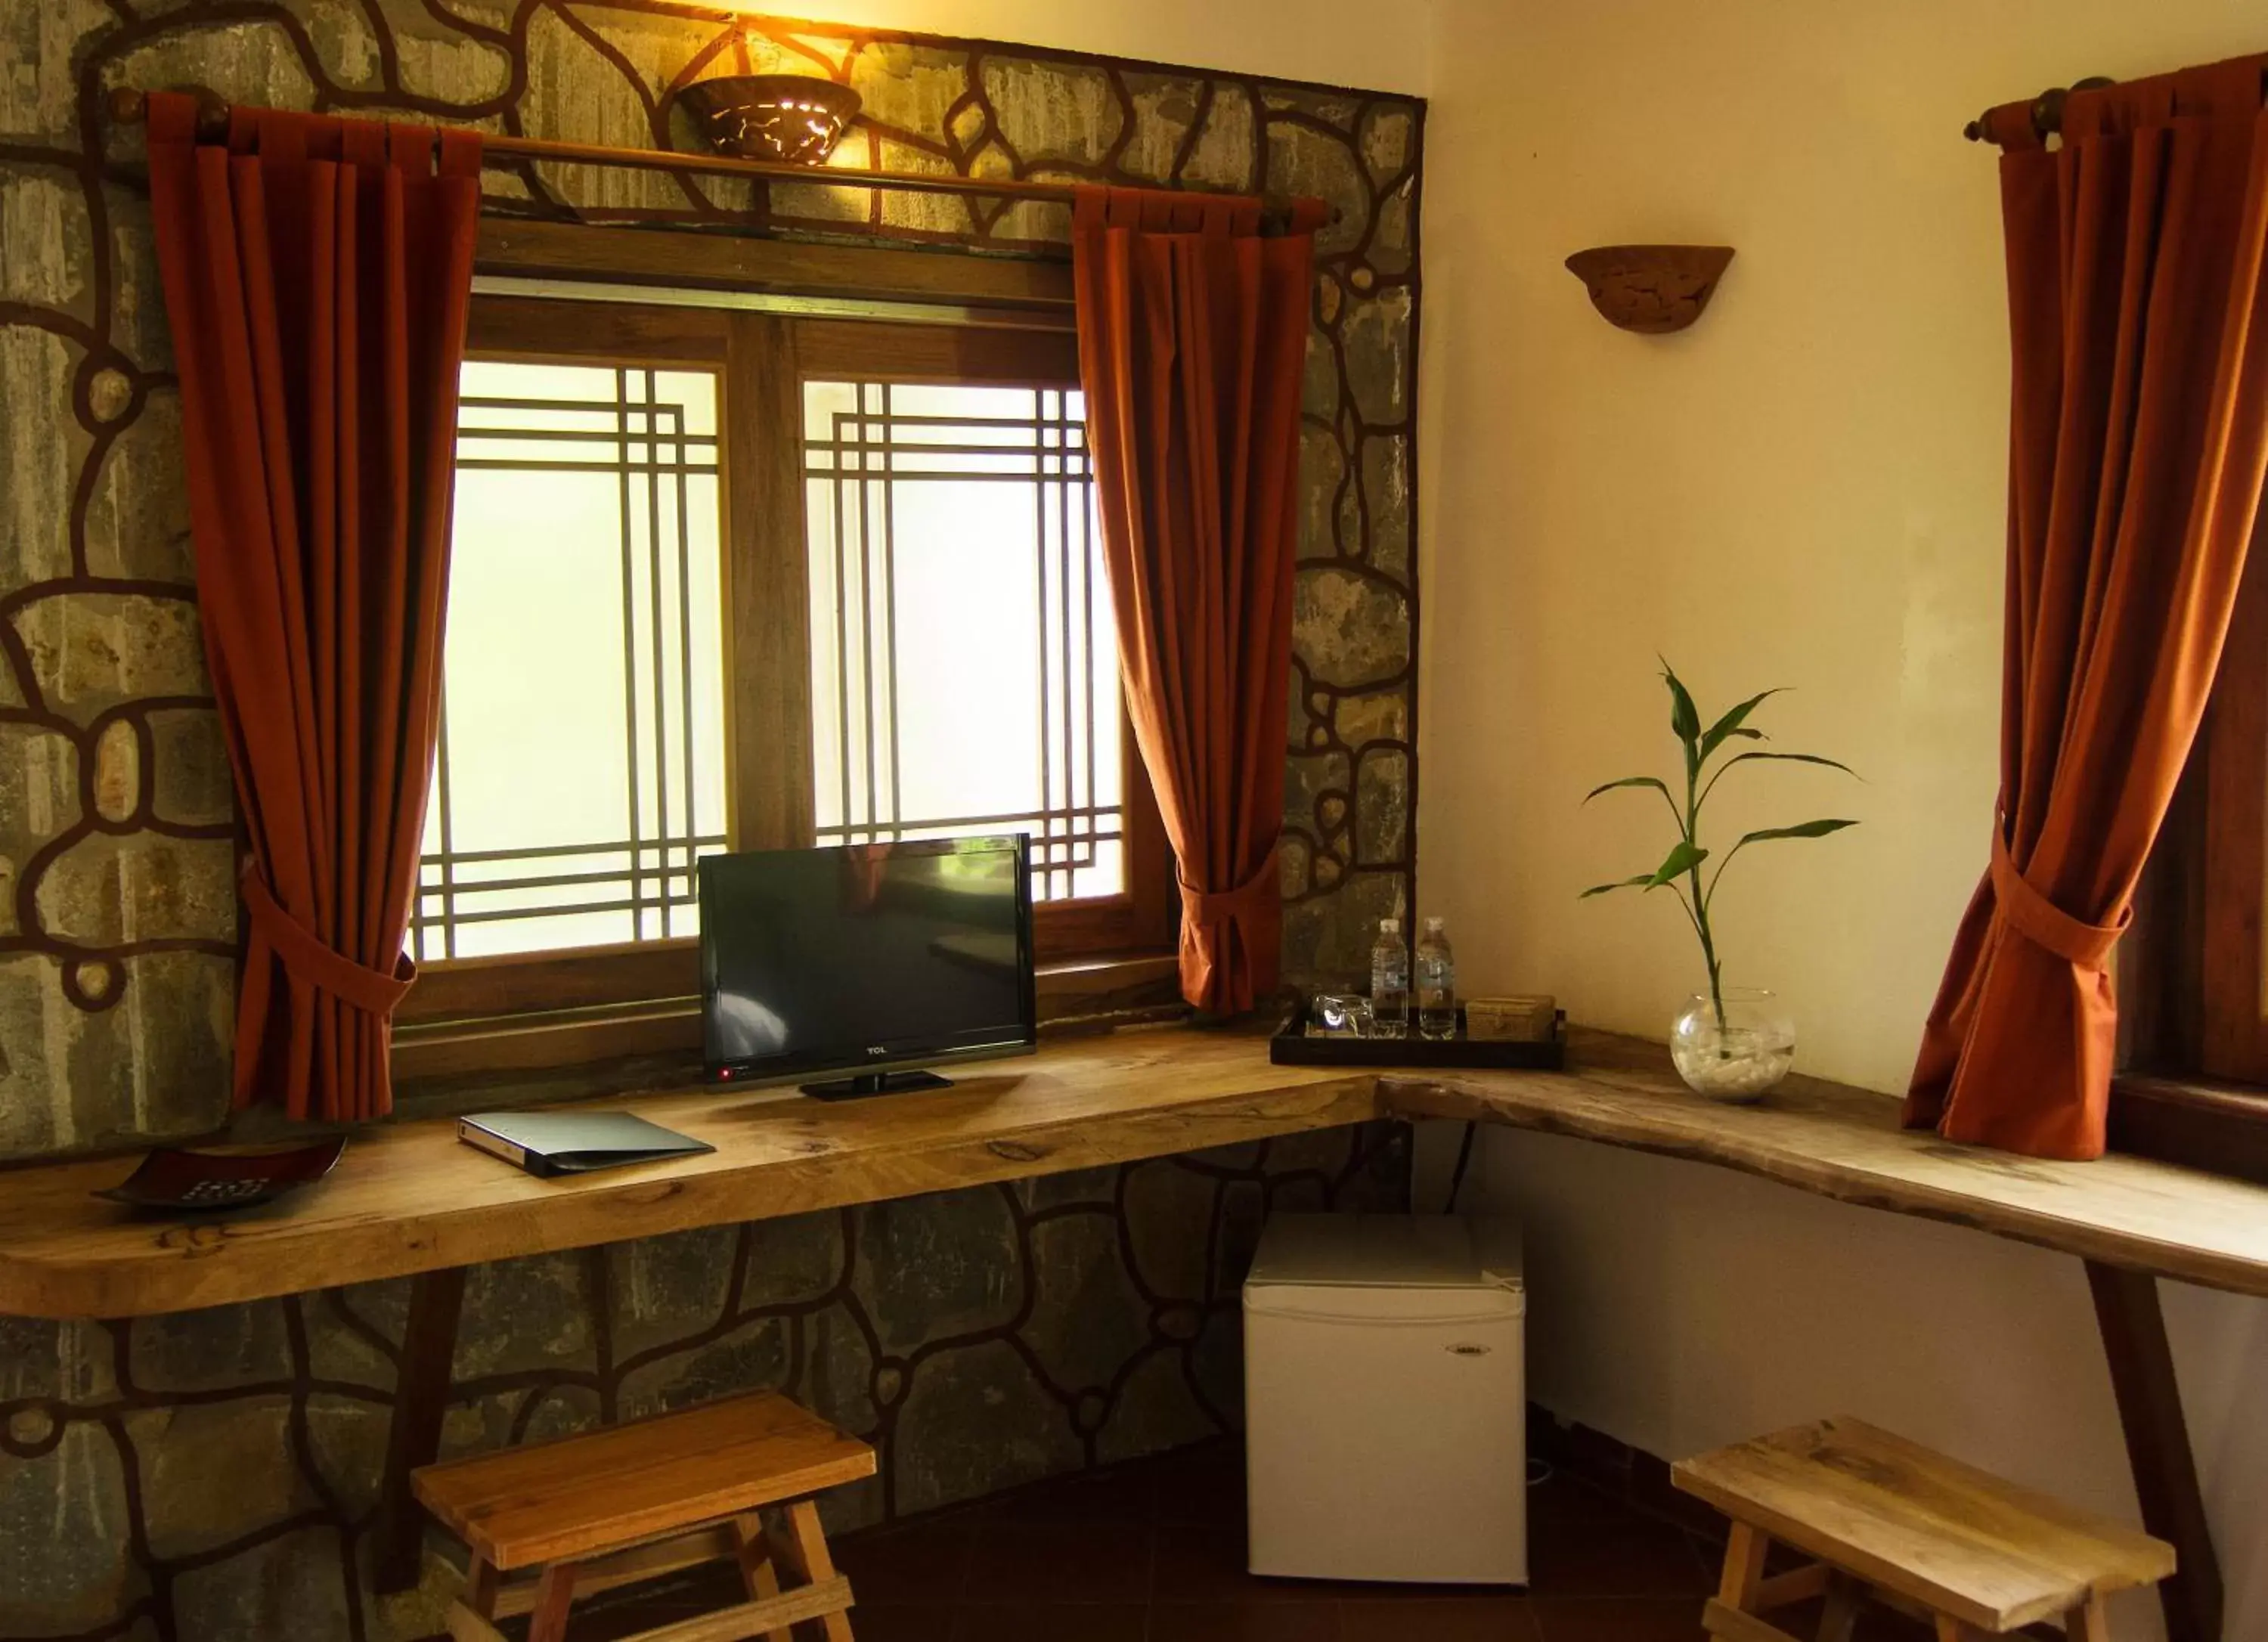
(212, 1477)
(116, 906)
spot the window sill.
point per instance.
(2200, 1124)
(612, 1050)
(1105, 991)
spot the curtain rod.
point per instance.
(130, 106)
(2047, 110)
(2047, 107)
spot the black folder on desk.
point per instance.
(573, 1142)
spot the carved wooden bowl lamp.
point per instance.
(797, 118)
(1651, 288)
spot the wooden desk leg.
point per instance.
(1840, 1615)
(1745, 1550)
(758, 1572)
(805, 1548)
(554, 1594)
(2158, 1446)
(2090, 1623)
(421, 1398)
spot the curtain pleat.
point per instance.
(1192, 333)
(2138, 437)
(317, 274)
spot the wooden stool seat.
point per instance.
(632, 1502)
(1966, 1550)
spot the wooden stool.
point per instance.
(587, 1513)
(1928, 1535)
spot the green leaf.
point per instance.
(1655, 782)
(1730, 724)
(1645, 879)
(1787, 758)
(1684, 717)
(1807, 829)
(1795, 758)
(1681, 859)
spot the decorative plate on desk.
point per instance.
(174, 1181)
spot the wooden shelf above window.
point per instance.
(1015, 292)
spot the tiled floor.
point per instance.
(1154, 1552)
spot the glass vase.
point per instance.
(1740, 1057)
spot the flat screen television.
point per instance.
(880, 957)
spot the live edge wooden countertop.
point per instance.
(407, 1197)
(1845, 1143)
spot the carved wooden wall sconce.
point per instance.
(795, 118)
(1651, 288)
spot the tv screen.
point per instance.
(865, 956)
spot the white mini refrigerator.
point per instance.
(1385, 1399)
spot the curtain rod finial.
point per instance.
(130, 105)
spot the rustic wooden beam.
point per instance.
(1039, 291)
(2133, 1330)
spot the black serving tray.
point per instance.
(172, 1180)
(1293, 1047)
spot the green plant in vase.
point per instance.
(1730, 1043)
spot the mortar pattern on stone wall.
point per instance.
(117, 903)
(213, 1476)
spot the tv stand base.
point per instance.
(868, 1083)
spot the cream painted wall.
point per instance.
(1339, 43)
(1807, 488)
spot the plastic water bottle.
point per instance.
(1389, 982)
(1437, 984)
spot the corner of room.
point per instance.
(854, 826)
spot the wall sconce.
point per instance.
(1651, 288)
(796, 118)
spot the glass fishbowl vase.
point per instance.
(1736, 1054)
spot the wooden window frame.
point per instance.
(2193, 975)
(1144, 916)
(562, 1008)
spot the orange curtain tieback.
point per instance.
(1207, 908)
(2044, 923)
(308, 960)
(2137, 445)
(1192, 346)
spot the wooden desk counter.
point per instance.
(410, 1197)
(1842, 1143)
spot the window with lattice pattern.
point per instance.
(729, 580)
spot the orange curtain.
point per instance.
(2139, 434)
(317, 274)
(1192, 340)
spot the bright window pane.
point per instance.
(964, 675)
(581, 767)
